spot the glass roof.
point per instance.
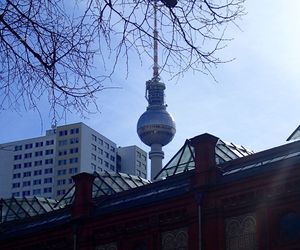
(295, 135)
(104, 184)
(19, 208)
(184, 159)
(228, 151)
(107, 183)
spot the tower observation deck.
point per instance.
(156, 127)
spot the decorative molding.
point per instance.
(240, 232)
(173, 217)
(110, 246)
(266, 193)
(175, 239)
(143, 224)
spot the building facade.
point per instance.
(130, 156)
(43, 166)
(212, 195)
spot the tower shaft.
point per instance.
(156, 155)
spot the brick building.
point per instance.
(211, 196)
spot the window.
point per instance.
(47, 190)
(37, 182)
(48, 161)
(112, 158)
(27, 174)
(70, 181)
(48, 180)
(73, 170)
(48, 170)
(100, 160)
(18, 147)
(175, 239)
(49, 152)
(112, 149)
(61, 182)
(16, 185)
(16, 194)
(106, 145)
(62, 162)
(94, 147)
(93, 166)
(107, 155)
(112, 167)
(17, 157)
(63, 132)
(38, 163)
(74, 140)
(240, 231)
(100, 151)
(36, 191)
(39, 144)
(138, 154)
(27, 164)
(100, 141)
(26, 183)
(60, 153)
(38, 153)
(93, 157)
(74, 131)
(62, 142)
(26, 193)
(73, 150)
(106, 164)
(138, 172)
(16, 176)
(61, 192)
(94, 138)
(28, 146)
(28, 155)
(17, 166)
(62, 172)
(49, 142)
(37, 172)
(73, 160)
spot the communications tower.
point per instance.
(156, 127)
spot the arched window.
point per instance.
(240, 233)
(175, 240)
(110, 246)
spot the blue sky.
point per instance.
(255, 102)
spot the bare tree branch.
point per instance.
(48, 47)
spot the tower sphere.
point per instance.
(156, 126)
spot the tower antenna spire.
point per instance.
(155, 33)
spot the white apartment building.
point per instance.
(43, 166)
(27, 167)
(130, 156)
